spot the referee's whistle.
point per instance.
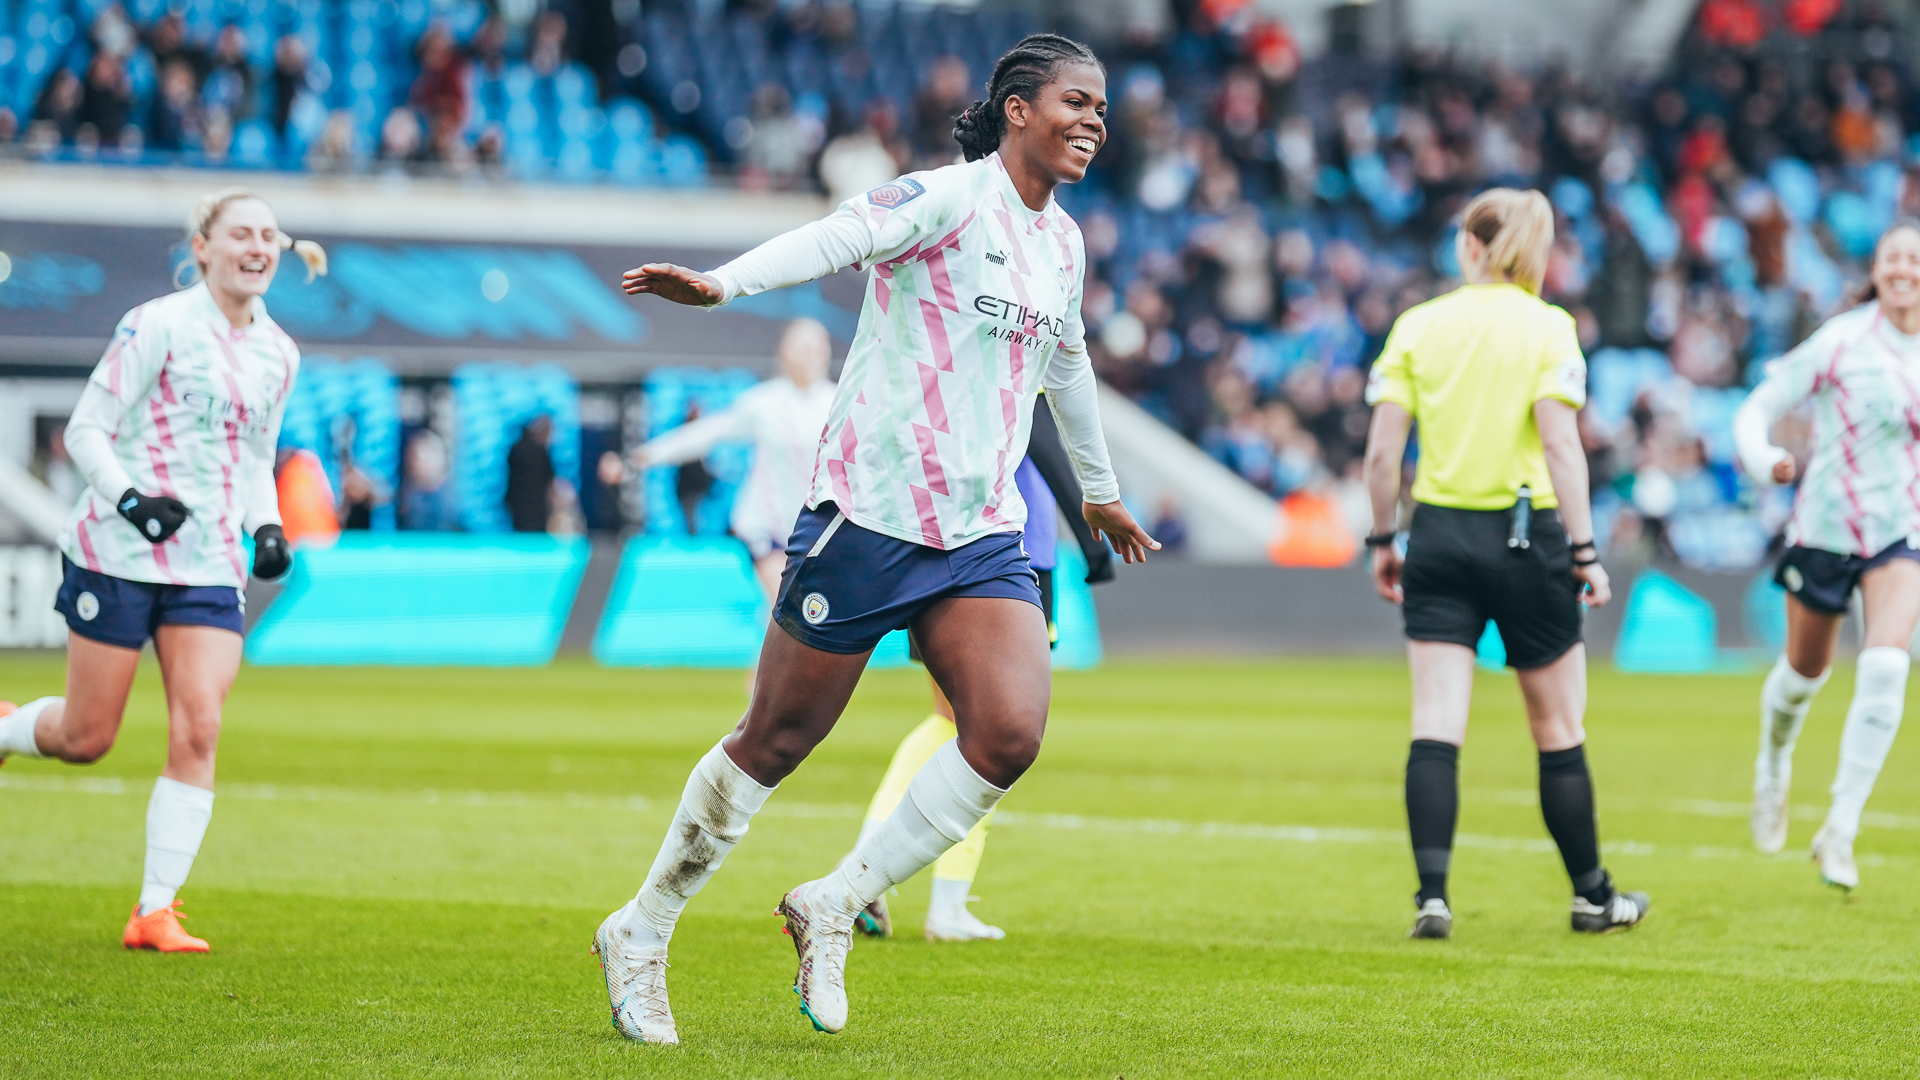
(1520, 538)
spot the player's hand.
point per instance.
(612, 470)
(272, 555)
(1783, 470)
(1111, 522)
(1386, 572)
(676, 283)
(157, 517)
(1598, 591)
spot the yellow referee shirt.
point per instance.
(1469, 366)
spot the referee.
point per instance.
(1494, 377)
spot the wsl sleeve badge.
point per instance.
(896, 193)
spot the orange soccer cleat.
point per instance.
(160, 931)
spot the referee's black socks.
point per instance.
(1433, 807)
(1566, 802)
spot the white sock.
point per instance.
(715, 808)
(949, 899)
(946, 799)
(16, 731)
(177, 816)
(1879, 698)
(1784, 700)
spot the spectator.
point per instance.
(177, 121)
(439, 93)
(548, 51)
(530, 477)
(167, 41)
(426, 501)
(945, 94)
(57, 113)
(857, 161)
(108, 100)
(400, 137)
(228, 85)
(292, 79)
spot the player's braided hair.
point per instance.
(1023, 72)
(207, 211)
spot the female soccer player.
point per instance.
(1493, 376)
(1856, 521)
(913, 520)
(783, 417)
(175, 435)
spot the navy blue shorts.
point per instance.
(115, 611)
(1825, 580)
(846, 587)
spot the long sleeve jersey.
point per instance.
(783, 422)
(972, 304)
(182, 404)
(1861, 491)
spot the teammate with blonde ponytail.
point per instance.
(175, 435)
(1494, 376)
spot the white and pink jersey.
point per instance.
(972, 304)
(1861, 490)
(182, 404)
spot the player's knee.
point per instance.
(1009, 757)
(85, 749)
(196, 734)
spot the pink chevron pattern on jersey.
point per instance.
(1861, 491)
(971, 294)
(203, 402)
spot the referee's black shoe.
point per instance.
(1434, 921)
(1623, 912)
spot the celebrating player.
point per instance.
(1042, 488)
(783, 417)
(913, 520)
(1854, 525)
(175, 435)
(1494, 376)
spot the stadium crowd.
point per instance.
(1255, 224)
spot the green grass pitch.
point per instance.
(1206, 873)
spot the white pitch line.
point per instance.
(1225, 830)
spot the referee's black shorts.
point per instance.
(1460, 573)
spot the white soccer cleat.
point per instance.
(821, 937)
(1834, 853)
(964, 927)
(1434, 921)
(1623, 912)
(636, 984)
(1769, 817)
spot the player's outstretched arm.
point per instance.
(1112, 521)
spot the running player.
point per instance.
(1856, 521)
(783, 418)
(913, 520)
(175, 435)
(947, 916)
(1494, 378)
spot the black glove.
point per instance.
(157, 517)
(272, 557)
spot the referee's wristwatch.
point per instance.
(1593, 550)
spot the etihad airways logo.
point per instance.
(1027, 324)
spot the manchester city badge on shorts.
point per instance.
(87, 606)
(814, 609)
(1792, 578)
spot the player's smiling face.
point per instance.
(1896, 269)
(1068, 125)
(241, 250)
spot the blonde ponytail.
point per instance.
(207, 211)
(310, 253)
(1517, 229)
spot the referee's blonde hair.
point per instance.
(207, 211)
(1517, 229)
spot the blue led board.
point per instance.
(424, 599)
